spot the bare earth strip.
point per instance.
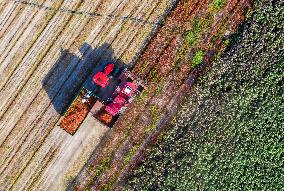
(35, 154)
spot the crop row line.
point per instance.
(85, 13)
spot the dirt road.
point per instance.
(47, 50)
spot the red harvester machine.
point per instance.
(112, 92)
(126, 88)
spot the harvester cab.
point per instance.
(102, 78)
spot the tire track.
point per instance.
(50, 151)
(70, 151)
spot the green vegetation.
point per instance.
(193, 34)
(197, 58)
(226, 42)
(131, 153)
(199, 26)
(229, 133)
(218, 4)
(109, 185)
(143, 67)
(159, 88)
(104, 165)
(154, 75)
(191, 37)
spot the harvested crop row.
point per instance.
(129, 25)
(15, 30)
(7, 13)
(16, 109)
(36, 27)
(16, 50)
(16, 14)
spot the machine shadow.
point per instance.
(70, 71)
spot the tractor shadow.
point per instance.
(64, 80)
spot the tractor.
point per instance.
(110, 104)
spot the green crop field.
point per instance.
(228, 134)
